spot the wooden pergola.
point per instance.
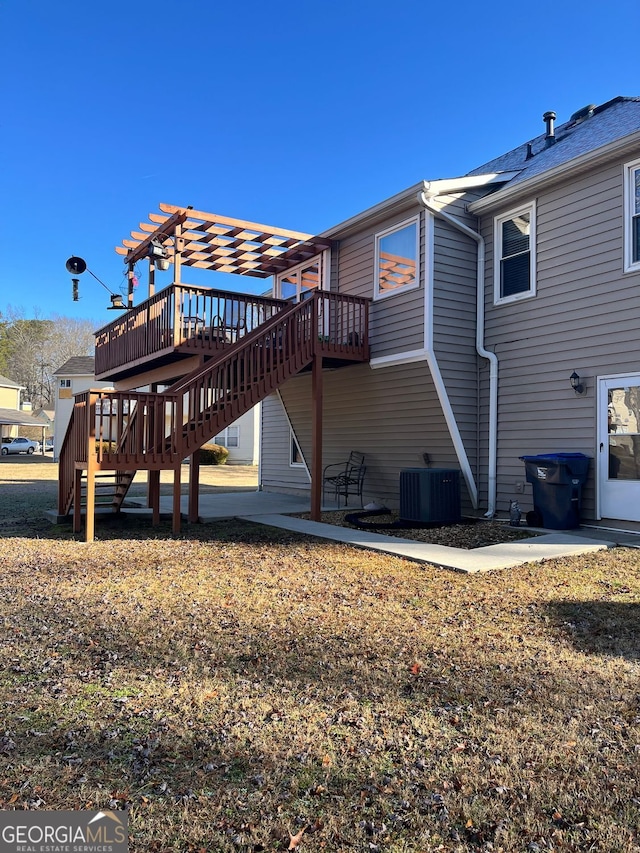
(208, 241)
(183, 236)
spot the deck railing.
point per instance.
(182, 316)
(127, 431)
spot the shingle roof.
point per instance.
(8, 383)
(613, 120)
(79, 365)
(12, 417)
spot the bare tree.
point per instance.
(33, 349)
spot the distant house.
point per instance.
(12, 416)
(242, 438)
(47, 416)
(10, 394)
(75, 375)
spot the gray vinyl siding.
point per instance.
(454, 322)
(584, 317)
(275, 469)
(392, 415)
(396, 323)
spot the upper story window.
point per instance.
(632, 217)
(65, 383)
(515, 255)
(397, 259)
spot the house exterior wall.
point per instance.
(276, 471)
(454, 320)
(584, 317)
(390, 415)
(396, 323)
(9, 398)
(393, 413)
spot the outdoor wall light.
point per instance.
(577, 386)
(158, 254)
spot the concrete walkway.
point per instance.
(275, 510)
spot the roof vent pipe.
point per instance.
(548, 118)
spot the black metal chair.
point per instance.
(345, 478)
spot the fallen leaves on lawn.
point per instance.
(243, 689)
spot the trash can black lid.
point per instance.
(554, 457)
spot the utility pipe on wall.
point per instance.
(426, 201)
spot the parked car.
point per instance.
(48, 445)
(20, 445)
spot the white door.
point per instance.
(619, 447)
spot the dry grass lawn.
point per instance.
(241, 688)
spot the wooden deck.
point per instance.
(246, 352)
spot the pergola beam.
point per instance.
(220, 243)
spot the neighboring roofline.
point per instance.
(406, 198)
(582, 163)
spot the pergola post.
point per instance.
(152, 277)
(130, 277)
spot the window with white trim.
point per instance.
(632, 217)
(515, 255)
(65, 383)
(397, 253)
(300, 282)
(229, 437)
(295, 454)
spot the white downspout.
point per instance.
(425, 201)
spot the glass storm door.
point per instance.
(619, 447)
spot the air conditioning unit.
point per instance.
(430, 495)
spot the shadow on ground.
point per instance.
(600, 627)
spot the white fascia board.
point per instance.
(383, 209)
(407, 197)
(408, 357)
(621, 147)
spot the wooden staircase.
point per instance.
(124, 432)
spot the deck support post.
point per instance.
(176, 501)
(153, 496)
(316, 439)
(77, 497)
(90, 521)
(194, 487)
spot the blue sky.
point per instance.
(296, 115)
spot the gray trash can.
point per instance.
(557, 480)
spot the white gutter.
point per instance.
(427, 354)
(425, 200)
